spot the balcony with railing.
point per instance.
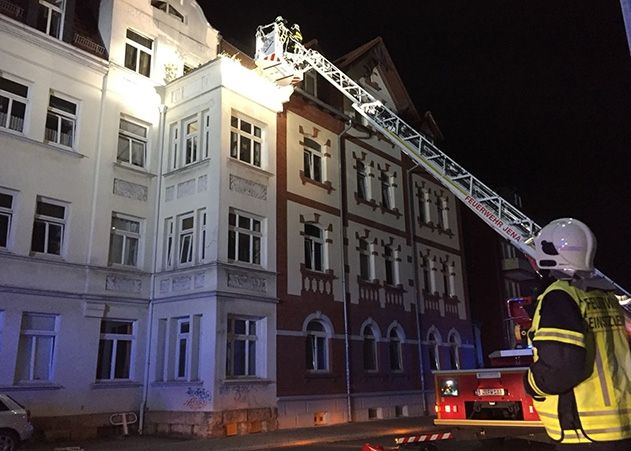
(432, 302)
(451, 306)
(368, 290)
(87, 44)
(11, 10)
(394, 295)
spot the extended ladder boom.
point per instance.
(278, 51)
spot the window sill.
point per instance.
(232, 160)
(45, 145)
(327, 186)
(32, 386)
(187, 168)
(136, 169)
(247, 380)
(45, 256)
(175, 383)
(115, 384)
(63, 149)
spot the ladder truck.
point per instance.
(483, 400)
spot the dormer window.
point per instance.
(167, 8)
(138, 50)
(49, 17)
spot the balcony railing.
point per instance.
(432, 302)
(368, 291)
(88, 45)
(451, 306)
(394, 295)
(318, 284)
(11, 9)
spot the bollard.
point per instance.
(123, 419)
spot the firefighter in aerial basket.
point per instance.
(580, 379)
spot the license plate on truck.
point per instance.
(490, 392)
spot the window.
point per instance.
(316, 351)
(48, 228)
(61, 121)
(386, 191)
(423, 206)
(312, 160)
(49, 17)
(124, 241)
(241, 347)
(426, 276)
(454, 353)
(183, 347)
(36, 348)
(245, 141)
(169, 232)
(164, 6)
(389, 265)
(432, 351)
(175, 145)
(394, 347)
(132, 143)
(370, 349)
(115, 350)
(443, 213)
(365, 260)
(206, 134)
(13, 100)
(202, 234)
(191, 140)
(362, 185)
(138, 51)
(186, 228)
(310, 82)
(313, 247)
(244, 238)
(6, 215)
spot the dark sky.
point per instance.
(533, 95)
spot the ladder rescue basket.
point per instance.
(271, 44)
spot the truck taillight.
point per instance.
(437, 408)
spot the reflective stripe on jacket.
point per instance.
(603, 400)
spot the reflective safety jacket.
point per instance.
(581, 376)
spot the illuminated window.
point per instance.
(132, 143)
(362, 181)
(316, 351)
(36, 348)
(167, 8)
(244, 238)
(6, 216)
(138, 50)
(245, 141)
(312, 156)
(313, 247)
(124, 241)
(49, 17)
(241, 347)
(61, 121)
(114, 361)
(48, 227)
(369, 348)
(13, 100)
(394, 347)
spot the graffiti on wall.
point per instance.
(198, 398)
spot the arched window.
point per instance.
(370, 348)
(316, 351)
(394, 347)
(454, 350)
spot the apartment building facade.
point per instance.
(182, 239)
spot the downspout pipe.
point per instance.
(347, 362)
(154, 266)
(419, 330)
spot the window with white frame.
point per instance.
(6, 217)
(365, 260)
(369, 347)
(206, 133)
(454, 351)
(124, 240)
(186, 239)
(432, 351)
(201, 214)
(13, 101)
(241, 347)
(313, 247)
(312, 156)
(182, 347)
(116, 347)
(50, 17)
(182, 235)
(36, 349)
(61, 121)
(362, 180)
(167, 8)
(246, 141)
(244, 238)
(169, 244)
(394, 348)
(316, 352)
(132, 143)
(138, 51)
(48, 227)
(191, 141)
(387, 197)
(451, 279)
(390, 265)
(175, 145)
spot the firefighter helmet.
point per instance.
(566, 245)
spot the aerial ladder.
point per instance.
(284, 60)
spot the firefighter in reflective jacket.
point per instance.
(581, 376)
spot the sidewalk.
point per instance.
(253, 442)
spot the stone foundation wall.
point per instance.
(211, 424)
(78, 427)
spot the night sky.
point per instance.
(531, 95)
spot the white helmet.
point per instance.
(566, 245)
